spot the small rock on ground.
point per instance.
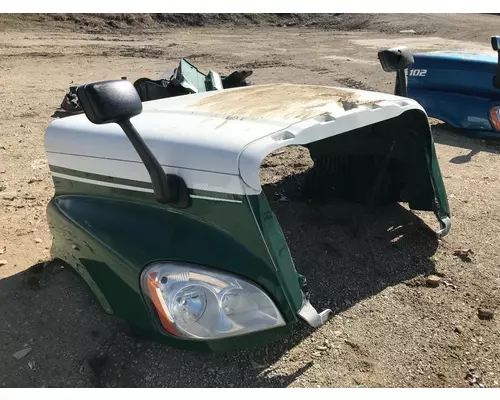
(484, 313)
(458, 329)
(432, 281)
(22, 353)
(464, 254)
(9, 196)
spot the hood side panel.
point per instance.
(317, 129)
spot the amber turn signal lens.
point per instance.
(161, 308)
(494, 118)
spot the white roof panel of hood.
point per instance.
(209, 131)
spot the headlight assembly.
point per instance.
(199, 303)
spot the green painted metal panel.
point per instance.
(114, 233)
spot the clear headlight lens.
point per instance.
(199, 303)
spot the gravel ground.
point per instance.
(390, 327)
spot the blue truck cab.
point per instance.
(459, 88)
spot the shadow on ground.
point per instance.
(445, 134)
(347, 252)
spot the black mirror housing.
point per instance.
(396, 59)
(109, 101)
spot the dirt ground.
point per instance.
(389, 328)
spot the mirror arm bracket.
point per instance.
(401, 88)
(168, 188)
(495, 44)
(496, 78)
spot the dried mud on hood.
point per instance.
(282, 102)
